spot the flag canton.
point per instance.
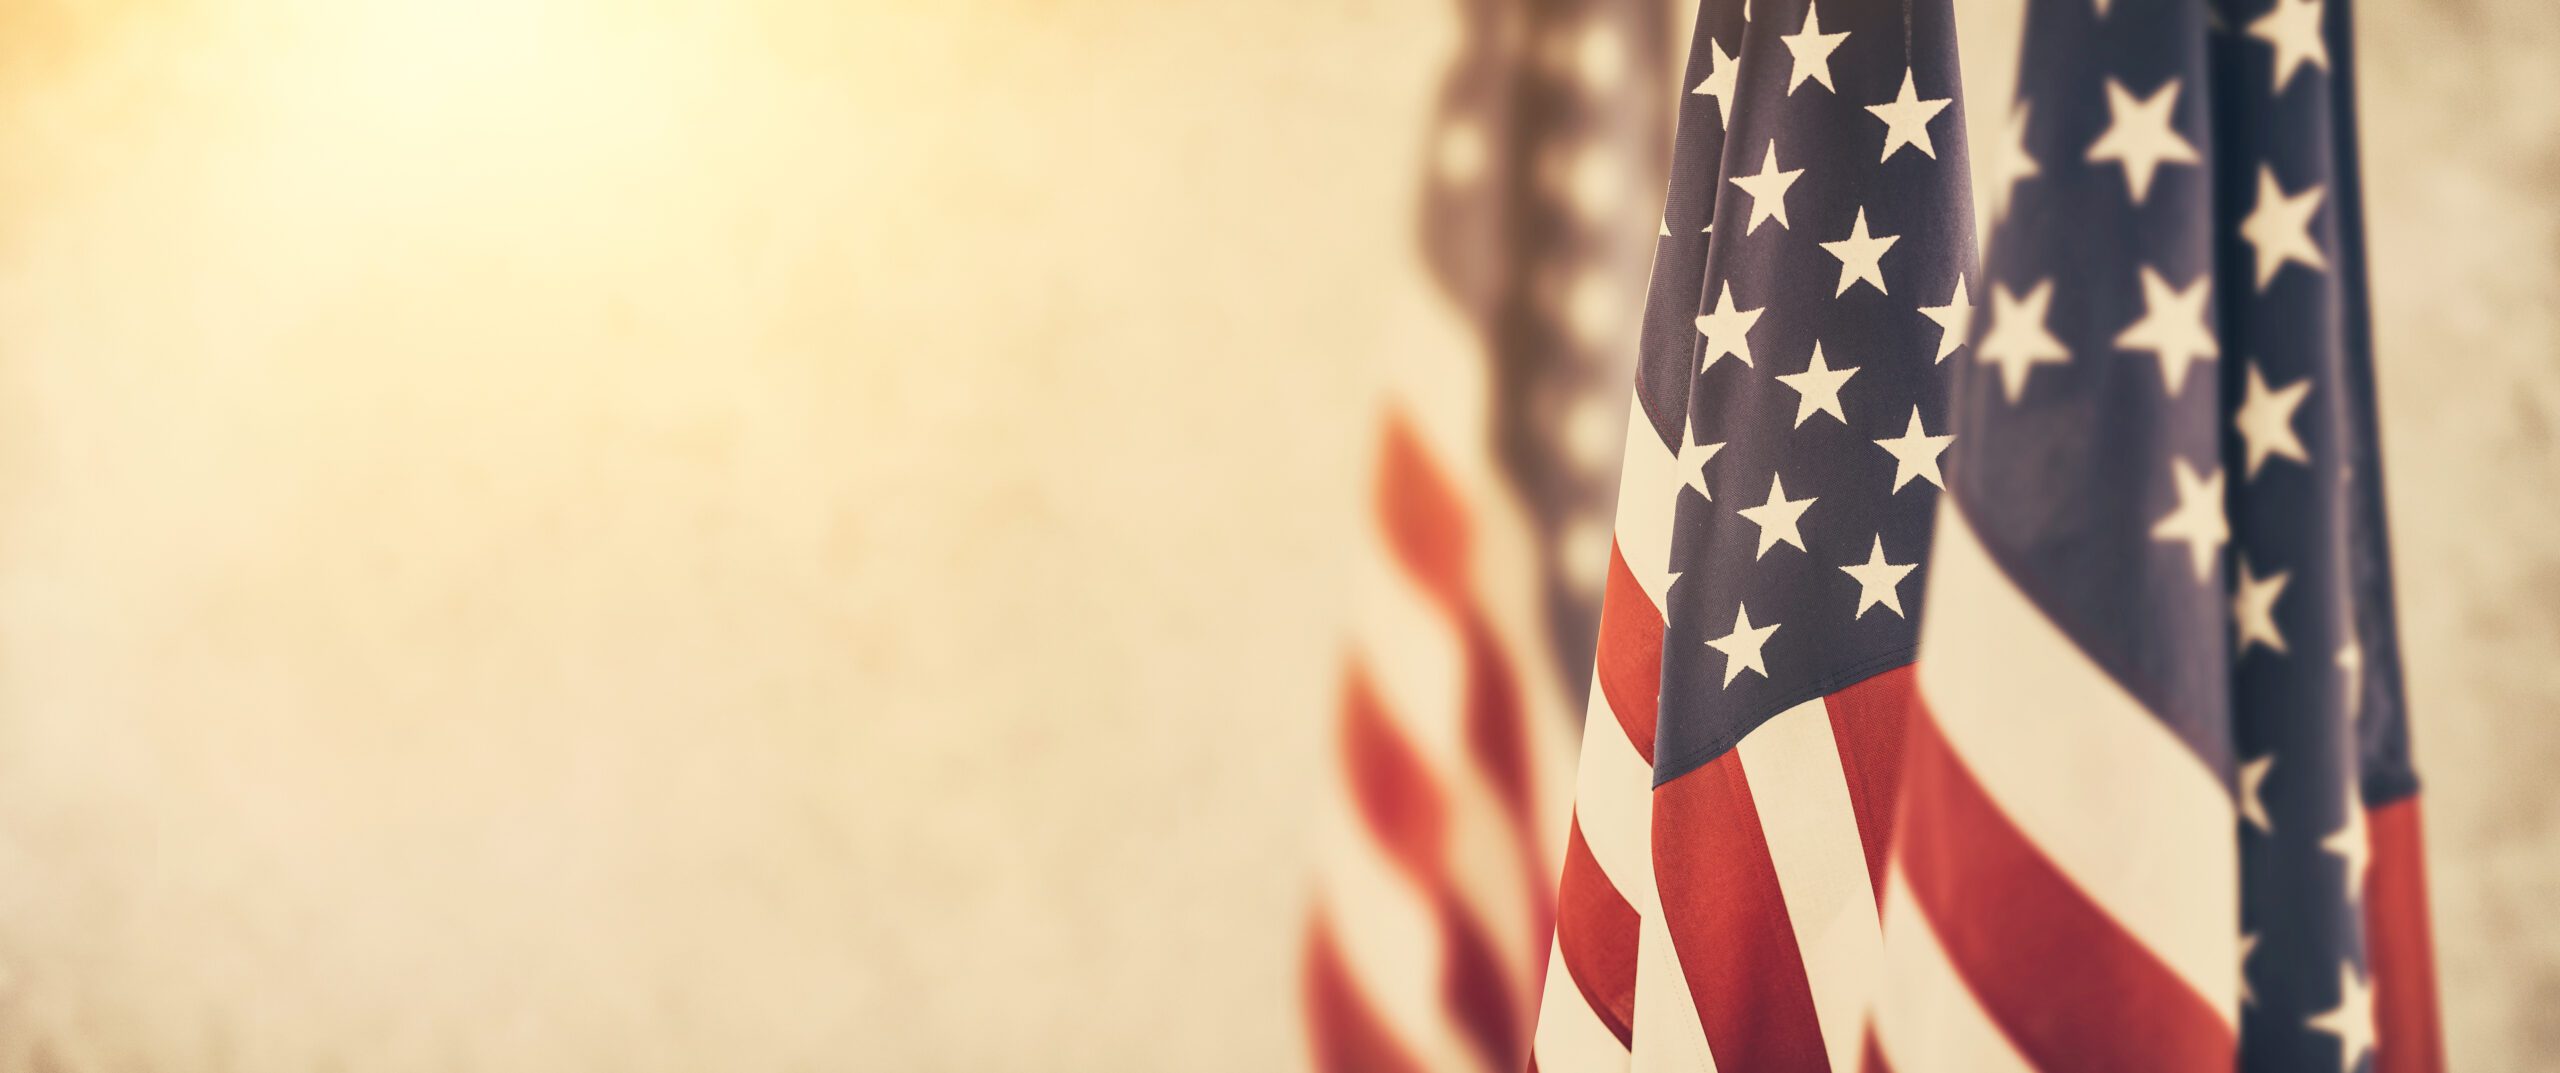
(1810, 288)
(2166, 440)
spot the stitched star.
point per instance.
(1812, 49)
(1777, 518)
(1694, 458)
(1955, 320)
(1861, 256)
(2018, 341)
(1768, 189)
(2011, 163)
(2253, 801)
(2197, 521)
(2141, 135)
(2253, 608)
(1915, 453)
(2265, 420)
(1719, 83)
(1742, 647)
(2352, 1019)
(2292, 28)
(1728, 330)
(1877, 579)
(2173, 327)
(1819, 388)
(2279, 229)
(1906, 120)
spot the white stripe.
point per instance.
(1571, 1036)
(1413, 658)
(1929, 1020)
(1389, 937)
(1409, 650)
(1614, 804)
(2101, 786)
(1648, 502)
(1812, 830)
(1668, 1036)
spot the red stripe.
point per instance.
(1425, 524)
(1474, 987)
(1391, 788)
(1867, 721)
(1596, 931)
(2400, 945)
(1402, 808)
(1346, 1035)
(1872, 1059)
(1728, 921)
(1630, 657)
(2066, 983)
(1498, 740)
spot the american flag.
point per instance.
(1812, 283)
(2160, 811)
(1495, 456)
(2156, 810)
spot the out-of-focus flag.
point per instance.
(2158, 812)
(1812, 282)
(1495, 454)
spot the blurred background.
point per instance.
(789, 536)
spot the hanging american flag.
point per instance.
(1812, 281)
(1494, 459)
(2159, 811)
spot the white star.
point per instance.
(2248, 946)
(1906, 120)
(2265, 420)
(1741, 648)
(2017, 341)
(2197, 520)
(2352, 1020)
(1812, 49)
(1768, 190)
(2253, 607)
(1693, 460)
(2351, 846)
(1876, 580)
(2293, 28)
(2011, 164)
(1719, 82)
(1915, 453)
(1861, 256)
(1666, 227)
(2253, 805)
(2173, 327)
(1777, 518)
(1955, 320)
(1728, 330)
(2279, 229)
(2142, 135)
(1819, 388)
(2351, 662)
(2102, 8)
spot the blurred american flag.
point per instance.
(1478, 600)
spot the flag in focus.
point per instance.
(2160, 812)
(1812, 284)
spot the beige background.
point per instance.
(804, 536)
